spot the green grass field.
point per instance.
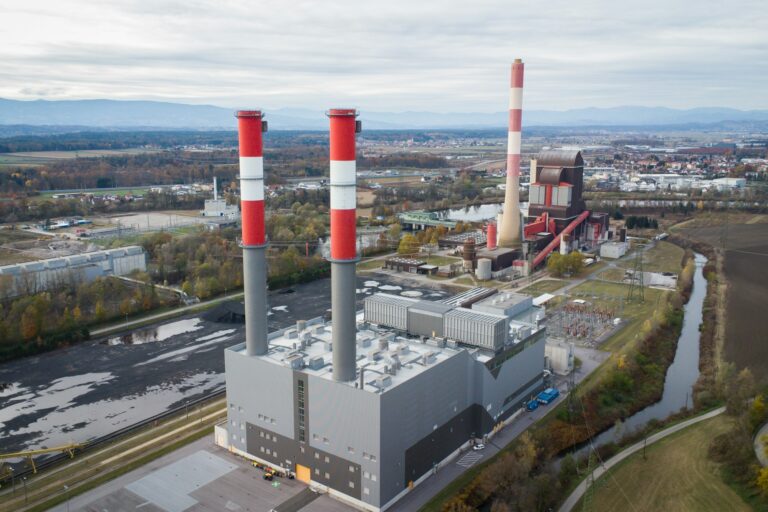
(677, 476)
(543, 286)
(101, 191)
(664, 257)
(441, 260)
(370, 265)
(34, 158)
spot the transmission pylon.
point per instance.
(637, 282)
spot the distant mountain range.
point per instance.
(121, 115)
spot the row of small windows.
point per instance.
(234, 438)
(267, 436)
(273, 453)
(266, 419)
(369, 476)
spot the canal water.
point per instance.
(681, 374)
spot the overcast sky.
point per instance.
(388, 55)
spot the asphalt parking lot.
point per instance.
(198, 477)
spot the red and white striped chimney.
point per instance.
(510, 229)
(343, 258)
(250, 128)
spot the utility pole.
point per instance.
(636, 283)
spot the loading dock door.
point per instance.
(303, 473)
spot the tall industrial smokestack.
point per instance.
(343, 237)
(509, 230)
(250, 127)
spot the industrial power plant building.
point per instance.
(367, 406)
(36, 276)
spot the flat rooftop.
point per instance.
(378, 349)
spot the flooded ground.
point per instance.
(106, 384)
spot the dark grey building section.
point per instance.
(424, 455)
(326, 468)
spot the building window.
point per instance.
(351, 469)
(274, 439)
(350, 449)
(269, 452)
(373, 477)
(317, 455)
(242, 425)
(351, 485)
(327, 459)
(240, 409)
(242, 440)
(327, 476)
(317, 472)
(315, 437)
(232, 406)
(373, 458)
(301, 448)
(274, 453)
(325, 440)
(261, 449)
(366, 491)
(301, 409)
(261, 416)
(272, 420)
(234, 423)
(366, 474)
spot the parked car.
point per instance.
(478, 447)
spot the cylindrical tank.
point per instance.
(483, 272)
(469, 254)
(491, 236)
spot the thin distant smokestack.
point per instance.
(491, 236)
(510, 231)
(343, 241)
(250, 128)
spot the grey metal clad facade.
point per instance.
(346, 422)
(511, 376)
(478, 329)
(425, 318)
(508, 304)
(370, 445)
(260, 393)
(388, 310)
(413, 409)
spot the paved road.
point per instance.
(760, 446)
(576, 495)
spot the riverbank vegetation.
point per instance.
(624, 385)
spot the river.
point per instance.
(681, 374)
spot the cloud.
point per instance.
(395, 55)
